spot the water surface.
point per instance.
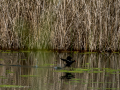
(28, 70)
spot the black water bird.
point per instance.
(68, 61)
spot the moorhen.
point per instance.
(68, 61)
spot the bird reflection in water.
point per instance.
(68, 76)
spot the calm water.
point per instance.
(35, 71)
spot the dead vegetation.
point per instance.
(88, 25)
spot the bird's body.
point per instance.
(68, 61)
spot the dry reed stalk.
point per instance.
(59, 24)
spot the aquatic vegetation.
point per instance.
(14, 52)
(6, 52)
(1, 59)
(27, 51)
(90, 70)
(3, 77)
(8, 71)
(75, 81)
(116, 52)
(96, 72)
(11, 86)
(77, 70)
(109, 70)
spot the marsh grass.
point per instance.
(89, 25)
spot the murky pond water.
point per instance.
(36, 71)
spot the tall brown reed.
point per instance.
(60, 24)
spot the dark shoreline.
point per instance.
(60, 51)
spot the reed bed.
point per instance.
(88, 25)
